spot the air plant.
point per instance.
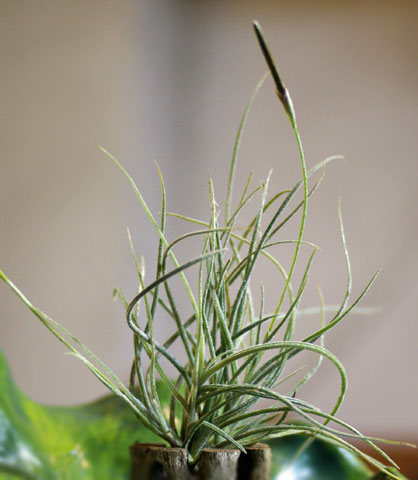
(235, 353)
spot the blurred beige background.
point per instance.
(168, 81)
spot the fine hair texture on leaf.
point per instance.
(226, 392)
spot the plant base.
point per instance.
(151, 461)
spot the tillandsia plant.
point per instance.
(236, 354)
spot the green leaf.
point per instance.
(83, 442)
(320, 460)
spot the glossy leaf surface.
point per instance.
(85, 442)
(321, 460)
